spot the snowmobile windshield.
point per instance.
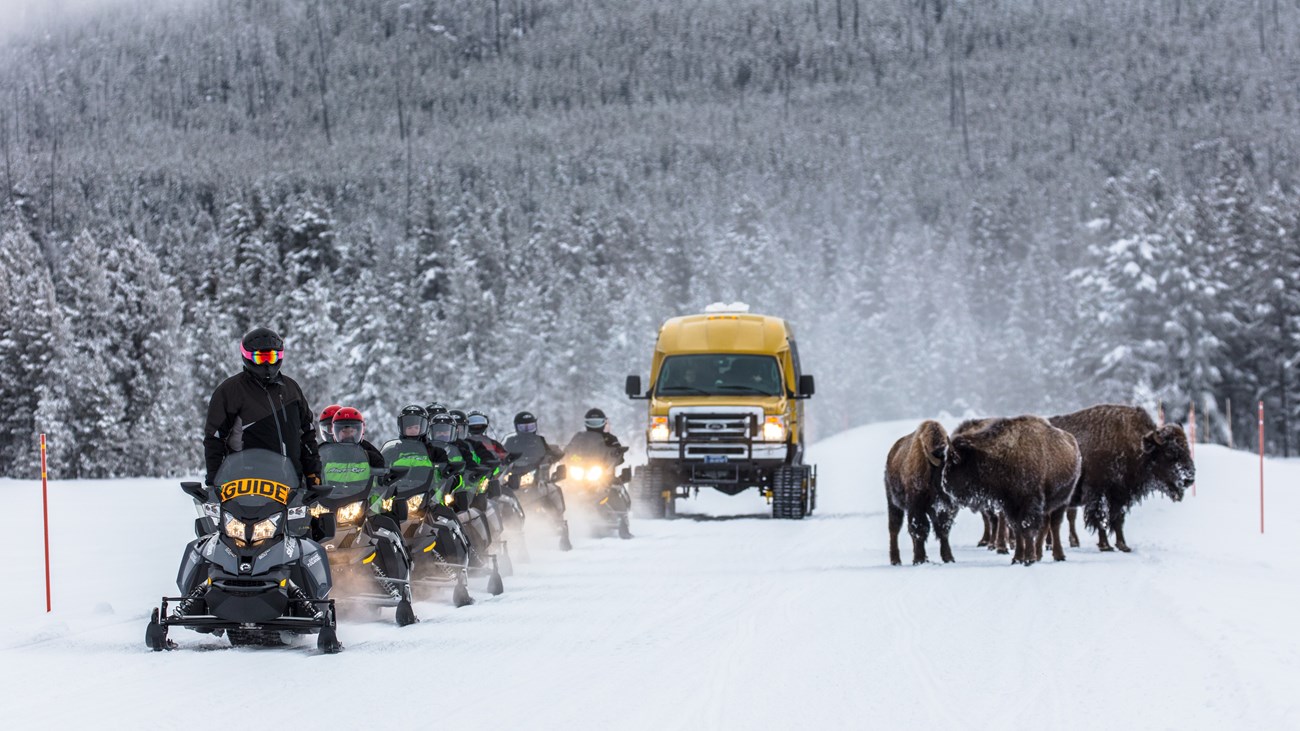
(588, 446)
(345, 470)
(411, 455)
(255, 484)
(719, 374)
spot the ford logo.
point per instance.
(715, 425)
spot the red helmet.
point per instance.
(349, 425)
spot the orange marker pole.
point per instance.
(45, 509)
(1191, 443)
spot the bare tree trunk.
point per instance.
(54, 156)
(857, 15)
(839, 17)
(322, 74)
(496, 23)
(1229, 418)
(4, 142)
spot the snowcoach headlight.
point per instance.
(414, 503)
(577, 473)
(236, 528)
(659, 429)
(527, 479)
(594, 473)
(265, 529)
(774, 429)
(351, 513)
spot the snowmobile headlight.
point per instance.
(387, 506)
(594, 473)
(527, 480)
(482, 484)
(236, 528)
(659, 429)
(448, 499)
(265, 529)
(774, 429)
(351, 513)
(317, 510)
(577, 473)
(414, 503)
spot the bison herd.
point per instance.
(1024, 474)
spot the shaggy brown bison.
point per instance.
(1125, 459)
(912, 475)
(1022, 466)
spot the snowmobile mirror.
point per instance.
(626, 475)
(560, 473)
(200, 525)
(196, 491)
(633, 387)
(315, 493)
(807, 387)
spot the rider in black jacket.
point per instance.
(261, 409)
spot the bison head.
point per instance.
(1168, 461)
(933, 439)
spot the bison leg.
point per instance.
(918, 526)
(895, 524)
(990, 523)
(1004, 531)
(1117, 523)
(1094, 516)
(1074, 537)
(943, 520)
(1054, 520)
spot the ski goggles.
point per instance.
(526, 428)
(594, 423)
(262, 357)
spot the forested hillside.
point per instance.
(1000, 205)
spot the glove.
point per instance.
(313, 480)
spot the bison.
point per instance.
(1125, 459)
(912, 476)
(1022, 466)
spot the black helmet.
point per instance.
(460, 420)
(442, 428)
(525, 422)
(413, 422)
(595, 420)
(477, 422)
(263, 352)
(435, 408)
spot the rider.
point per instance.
(326, 423)
(532, 448)
(596, 422)
(349, 427)
(261, 408)
(491, 451)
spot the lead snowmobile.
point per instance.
(253, 580)
(366, 549)
(531, 477)
(590, 459)
(434, 538)
(462, 495)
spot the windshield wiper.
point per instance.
(751, 389)
(690, 389)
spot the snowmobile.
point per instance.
(437, 544)
(460, 493)
(589, 470)
(538, 491)
(366, 547)
(254, 580)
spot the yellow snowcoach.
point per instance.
(725, 395)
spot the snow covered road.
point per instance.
(720, 619)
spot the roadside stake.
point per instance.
(45, 510)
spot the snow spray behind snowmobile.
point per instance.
(538, 491)
(589, 467)
(366, 548)
(437, 544)
(252, 579)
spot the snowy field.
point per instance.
(720, 619)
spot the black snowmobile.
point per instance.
(536, 486)
(475, 514)
(590, 472)
(366, 549)
(437, 544)
(254, 579)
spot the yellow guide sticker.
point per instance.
(277, 491)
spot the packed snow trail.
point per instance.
(723, 618)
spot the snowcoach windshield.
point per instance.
(719, 374)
